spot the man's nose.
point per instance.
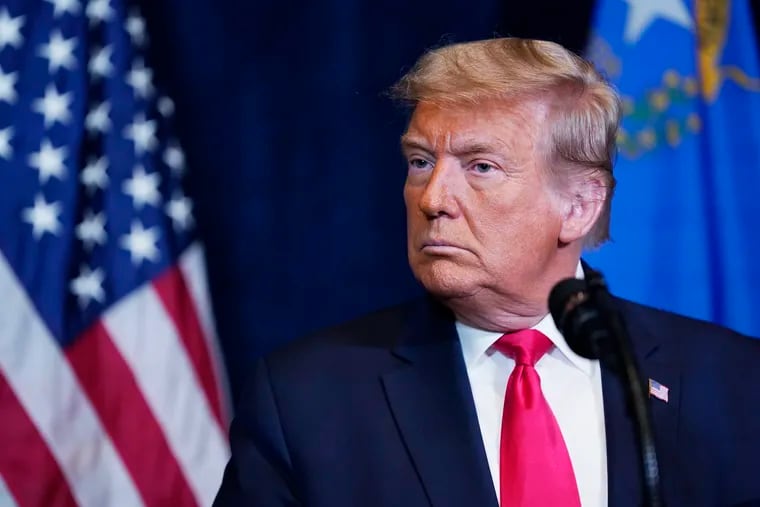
(439, 195)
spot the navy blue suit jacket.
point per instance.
(378, 412)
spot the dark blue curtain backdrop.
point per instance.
(293, 148)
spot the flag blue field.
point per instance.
(686, 212)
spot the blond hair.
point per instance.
(583, 109)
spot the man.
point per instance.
(471, 396)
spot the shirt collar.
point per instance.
(476, 343)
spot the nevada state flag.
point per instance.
(686, 211)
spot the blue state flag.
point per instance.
(686, 212)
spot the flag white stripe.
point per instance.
(50, 393)
(192, 265)
(148, 341)
(6, 499)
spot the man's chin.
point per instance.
(446, 282)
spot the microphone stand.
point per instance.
(624, 363)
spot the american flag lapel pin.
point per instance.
(658, 390)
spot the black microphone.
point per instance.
(579, 319)
(585, 313)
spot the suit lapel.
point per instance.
(432, 404)
(656, 361)
(623, 476)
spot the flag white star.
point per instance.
(143, 188)
(6, 150)
(100, 65)
(140, 78)
(97, 119)
(63, 6)
(10, 29)
(136, 28)
(49, 161)
(94, 174)
(8, 86)
(143, 133)
(53, 106)
(59, 52)
(88, 286)
(180, 210)
(43, 217)
(174, 157)
(91, 230)
(99, 10)
(641, 13)
(141, 243)
(165, 106)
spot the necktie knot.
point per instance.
(526, 346)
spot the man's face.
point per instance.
(481, 212)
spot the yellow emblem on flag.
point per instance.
(712, 26)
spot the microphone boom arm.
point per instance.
(587, 316)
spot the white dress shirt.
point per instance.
(572, 386)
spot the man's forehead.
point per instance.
(471, 128)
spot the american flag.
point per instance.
(658, 390)
(111, 388)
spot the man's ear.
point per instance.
(583, 202)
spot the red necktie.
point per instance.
(535, 467)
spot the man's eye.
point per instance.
(483, 168)
(418, 163)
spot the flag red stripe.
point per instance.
(111, 387)
(30, 471)
(175, 296)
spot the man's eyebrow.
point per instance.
(460, 148)
(408, 142)
(476, 147)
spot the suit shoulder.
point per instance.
(339, 346)
(697, 335)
